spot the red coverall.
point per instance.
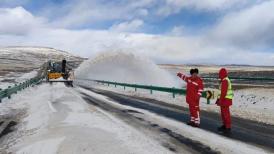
(223, 102)
(193, 93)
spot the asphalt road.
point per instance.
(250, 132)
(174, 142)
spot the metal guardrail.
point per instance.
(18, 87)
(241, 78)
(174, 91)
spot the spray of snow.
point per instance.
(26, 76)
(126, 67)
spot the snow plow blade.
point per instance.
(61, 81)
(68, 83)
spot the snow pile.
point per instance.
(127, 68)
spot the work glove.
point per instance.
(179, 74)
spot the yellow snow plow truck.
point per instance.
(60, 72)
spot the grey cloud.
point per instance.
(249, 28)
(75, 14)
(131, 26)
(170, 7)
(17, 21)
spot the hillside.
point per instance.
(24, 59)
(16, 61)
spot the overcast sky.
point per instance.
(167, 31)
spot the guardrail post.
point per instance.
(20, 86)
(124, 87)
(151, 90)
(16, 88)
(0, 97)
(7, 92)
(173, 94)
(33, 82)
(115, 85)
(135, 89)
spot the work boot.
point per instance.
(227, 131)
(195, 125)
(222, 128)
(190, 123)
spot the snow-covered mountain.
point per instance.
(25, 59)
(23, 62)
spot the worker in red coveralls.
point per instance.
(193, 93)
(225, 100)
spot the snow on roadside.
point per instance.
(213, 140)
(254, 104)
(58, 120)
(4, 85)
(16, 78)
(43, 147)
(26, 76)
(16, 103)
